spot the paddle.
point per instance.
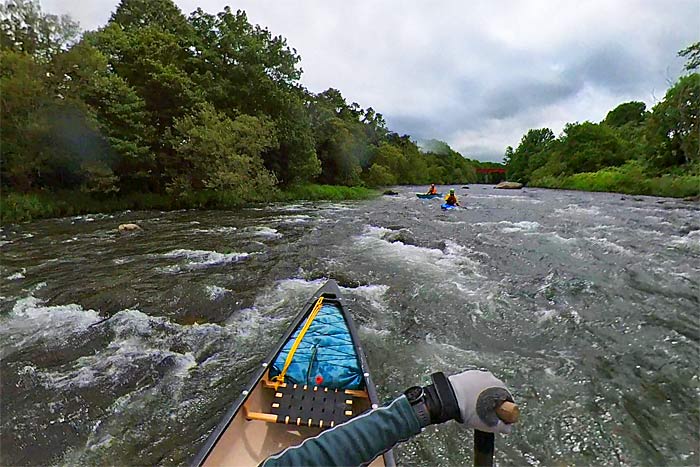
(484, 442)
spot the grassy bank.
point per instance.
(629, 179)
(15, 207)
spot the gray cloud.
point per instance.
(476, 74)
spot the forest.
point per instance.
(161, 110)
(633, 150)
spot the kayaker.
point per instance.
(451, 198)
(470, 398)
(432, 190)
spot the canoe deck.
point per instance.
(267, 419)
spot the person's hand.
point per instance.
(478, 395)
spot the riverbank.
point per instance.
(628, 179)
(16, 207)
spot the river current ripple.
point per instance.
(585, 304)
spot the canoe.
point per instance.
(426, 196)
(447, 207)
(328, 361)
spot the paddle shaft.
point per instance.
(483, 448)
(484, 442)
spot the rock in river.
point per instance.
(509, 185)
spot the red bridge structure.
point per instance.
(491, 174)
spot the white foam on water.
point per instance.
(689, 242)
(31, 321)
(139, 340)
(338, 207)
(609, 246)
(367, 330)
(657, 220)
(18, 275)
(546, 315)
(273, 306)
(293, 219)
(223, 230)
(374, 294)
(265, 232)
(201, 259)
(423, 259)
(120, 261)
(293, 207)
(558, 238)
(513, 197)
(522, 226)
(215, 292)
(574, 210)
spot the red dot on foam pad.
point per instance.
(319, 379)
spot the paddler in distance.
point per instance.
(473, 398)
(432, 190)
(451, 198)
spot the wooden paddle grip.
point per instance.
(508, 412)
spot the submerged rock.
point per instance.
(404, 236)
(509, 186)
(391, 193)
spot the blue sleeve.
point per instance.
(355, 442)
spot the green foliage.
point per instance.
(379, 175)
(159, 110)
(692, 52)
(673, 128)
(633, 112)
(217, 153)
(312, 192)
(83, 73)
(25, 28)
(627, 151)
(629, 178)
(246, 68)
(587, 147)
(137, 14)
(529, 155)
(15, 207)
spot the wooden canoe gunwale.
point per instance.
(331, 294)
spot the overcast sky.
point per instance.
(476, 74)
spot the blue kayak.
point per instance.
(446, 207)
(427, 196)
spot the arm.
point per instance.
(355, 442)
(470, 397)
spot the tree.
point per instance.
(392, 158)
(215, 152)
(140, 14)
(378, 175)
(244, 68)
(588, 147)
(534, 142)
(674, 125)
(629, 113)
(25, 28)
(692, 52)
(24, 96)
(82, 73)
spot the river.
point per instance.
(585, 304)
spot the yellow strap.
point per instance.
(279, 379)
